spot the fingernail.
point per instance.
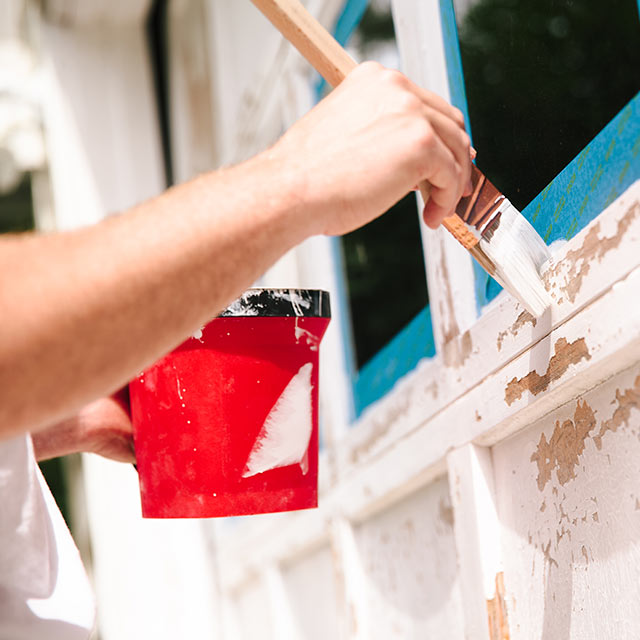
(474, 153)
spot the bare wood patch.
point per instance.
(445, 512)
(448, 312)
(562, 452)
(497, 612)
(579, 261)
(457, 350)
(565, 355)
(521, 320)
(627, 400)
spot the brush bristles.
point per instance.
(518, 253)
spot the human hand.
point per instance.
(368, 143)
(102, 427)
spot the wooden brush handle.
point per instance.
(333, 63)
(309, 37)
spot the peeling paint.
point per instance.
(497, 612)
(629, 399)
(565, 355)
(585, 554)
(447, 306)
(546, 552)
(445, 512)
(562, 452)
(457, 350)
(579, 260)
(521, 320)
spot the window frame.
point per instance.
(456, 305)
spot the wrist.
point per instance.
(287, 189)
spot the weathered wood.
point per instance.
(477, 533)
(402, 443)
(568, 494)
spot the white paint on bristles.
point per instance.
(519, 253)
(284, 437)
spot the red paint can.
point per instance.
(227, 423)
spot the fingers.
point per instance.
(457, 141)
(450, 156)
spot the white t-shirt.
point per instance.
(44, 590)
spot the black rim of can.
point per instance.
(280, 303)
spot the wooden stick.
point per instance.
(309, 37)
(333, 63)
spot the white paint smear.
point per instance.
(284, 437)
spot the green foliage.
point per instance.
(542, 78)
(16, 209)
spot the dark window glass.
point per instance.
(543, 77)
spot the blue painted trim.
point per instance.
(607, 166)
(453, 59)
(346, 24)
(393, 361)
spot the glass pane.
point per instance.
(543, 77)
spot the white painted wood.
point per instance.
(194, 148)
(284, 626)
(253, 612)
(356, 621)
(103, 144)
(311, 582)
(477, 533)
(100, 13)
(449, 267)
(411, 583)
(570, 517)
(43, 210)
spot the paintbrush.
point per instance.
(496, 234)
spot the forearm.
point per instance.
(82, 313)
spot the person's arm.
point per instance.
(102, 427)
(82, 313)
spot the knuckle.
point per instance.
(409, 102)
(424, 135)
(372, 66)
(395, 78)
